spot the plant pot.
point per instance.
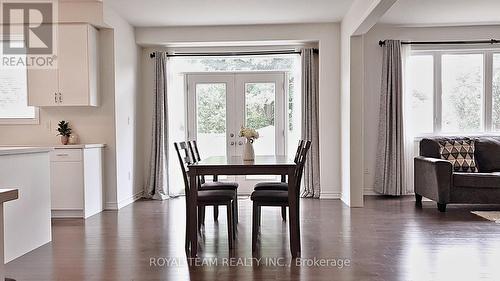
(248, 153)
(64, 140)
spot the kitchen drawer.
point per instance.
(66, 155)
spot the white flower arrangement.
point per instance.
(249, 133)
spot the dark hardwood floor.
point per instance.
(389, 239)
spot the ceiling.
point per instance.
(443, 12)
(228, 12)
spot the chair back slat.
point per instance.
(193, 146)
(185, 159)
(195, 153)
(299, 150)
(301, 161)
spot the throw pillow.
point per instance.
(460, 152)
(487, 152)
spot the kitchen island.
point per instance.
(27, 220)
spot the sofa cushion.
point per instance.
(477, 180)
(460, 152)
(487, 153)
(429, 147)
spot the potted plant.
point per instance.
(64, 131)
(251, 135)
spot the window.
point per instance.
(421, 89)
(14, 107)
(496, 93)
(453, 91)
(462, 93)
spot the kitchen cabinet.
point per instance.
(74, 79)
(76, 181)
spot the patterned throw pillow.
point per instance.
(460, 152)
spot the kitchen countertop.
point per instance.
(8, 195)
(57, 146)
(12, 150)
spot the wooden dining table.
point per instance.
(262, 165)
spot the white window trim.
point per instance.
(22, 121)
(487, 122)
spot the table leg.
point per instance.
(193, 216)
(293, 209)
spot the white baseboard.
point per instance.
(67, 214)
(123, 203)
(370, 191)
(329, 195)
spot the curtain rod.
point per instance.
(491, 41)
(230, 54)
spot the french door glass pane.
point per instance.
(211, 119)
(462, 82)
(421, 91)
(496, 92)
(260, 115)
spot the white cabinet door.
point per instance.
(42, 87)
(73, 64)
(67, 185)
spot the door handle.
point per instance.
(231, 143)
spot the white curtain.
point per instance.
(310, 121)
(157, 187)
(394, 173)
(410, 146)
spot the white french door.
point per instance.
(219, 104)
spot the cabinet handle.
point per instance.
(62, 154)
(60, 98)
(55, 97)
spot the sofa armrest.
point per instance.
(433, 178)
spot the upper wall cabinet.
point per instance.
(75, 80)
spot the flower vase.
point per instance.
(64, 140)
(249, 153)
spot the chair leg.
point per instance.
(441, 207)
(235, 214)
(255, 226)
(283, 213)
(230, 226)
(235, 223)
(201, 216)
(418, 200)
(216, 212)
(186, 243)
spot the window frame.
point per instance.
(487, 98)
(22, 121)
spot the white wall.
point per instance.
(362, 15)
(112, 123)
(373, 72)
(92, 124)
(126, 89)
(328, 38)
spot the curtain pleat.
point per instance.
(157, 187)
(390, 172)
(310, 122)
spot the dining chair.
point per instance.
(276, 197)
(280, 185)
(213, 185)
(205, 197)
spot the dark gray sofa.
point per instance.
(436, 180)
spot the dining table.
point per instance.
(235, 165)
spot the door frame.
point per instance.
(235, 98)
(231, 87)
